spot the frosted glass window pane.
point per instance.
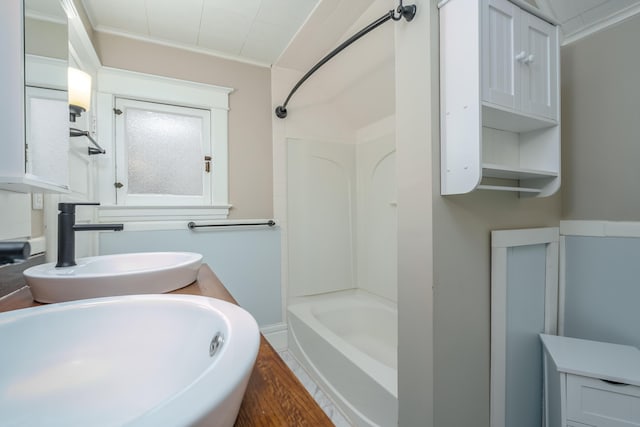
(48, 139)
(164, 153)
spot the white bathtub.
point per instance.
(348, 342)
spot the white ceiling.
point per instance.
(258, 31)
(579, 18)
(251, 30)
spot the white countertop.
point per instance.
(613, 362)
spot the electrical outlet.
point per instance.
(37, 201)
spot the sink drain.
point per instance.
(216, 343)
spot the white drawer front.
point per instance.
(600, 404)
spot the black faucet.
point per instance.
(11, 252)
(66, 232)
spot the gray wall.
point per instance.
(601, 125)
(462, 290)
(246, 260)
(250, 146)
(600, 133)
(526, 285)
(416, 128)
(46, 38)
(602, 289)
(462, 293)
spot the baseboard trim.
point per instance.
(276, 335)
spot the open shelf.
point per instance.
(492, 170)
(28, 183)
(497, 117)
(504, 188)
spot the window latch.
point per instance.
(118, 184)
(207, 164)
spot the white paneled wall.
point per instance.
(377, 217)
(245, 259)
(321, 191)
(342, 215)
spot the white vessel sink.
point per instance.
(111, 275)
(142, 360)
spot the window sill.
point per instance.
(144, 214)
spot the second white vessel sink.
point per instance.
(135, 361)
(112, 275)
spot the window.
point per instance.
(163, 154)
(166, 142)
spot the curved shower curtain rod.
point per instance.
(406, 12)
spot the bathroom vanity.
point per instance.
(274, 396)
(590, 384)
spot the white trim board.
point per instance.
(81, 48)
(501, 242)
(562, 284)
(44, 72)
(277, 335)
(599, 228)
(110, 213)
(522, 4)
(524, 237)
(38, 245)
(154, 88)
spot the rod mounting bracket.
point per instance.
(402, 11)
(281, 112)
(407, 12)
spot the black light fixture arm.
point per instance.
(73, 132)
(406, 12)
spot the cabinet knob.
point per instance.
(529, 59)
(521, 56)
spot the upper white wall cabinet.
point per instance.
(500, 124)
(519, 64)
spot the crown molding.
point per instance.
(601, 24)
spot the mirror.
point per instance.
(46, 31)
(46, 101)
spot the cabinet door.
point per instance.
(500, 40)
(539, 84)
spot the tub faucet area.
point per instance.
(66, 232)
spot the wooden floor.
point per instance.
(274, 396)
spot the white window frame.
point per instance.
(114, 83)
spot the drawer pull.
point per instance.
(613, 382)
